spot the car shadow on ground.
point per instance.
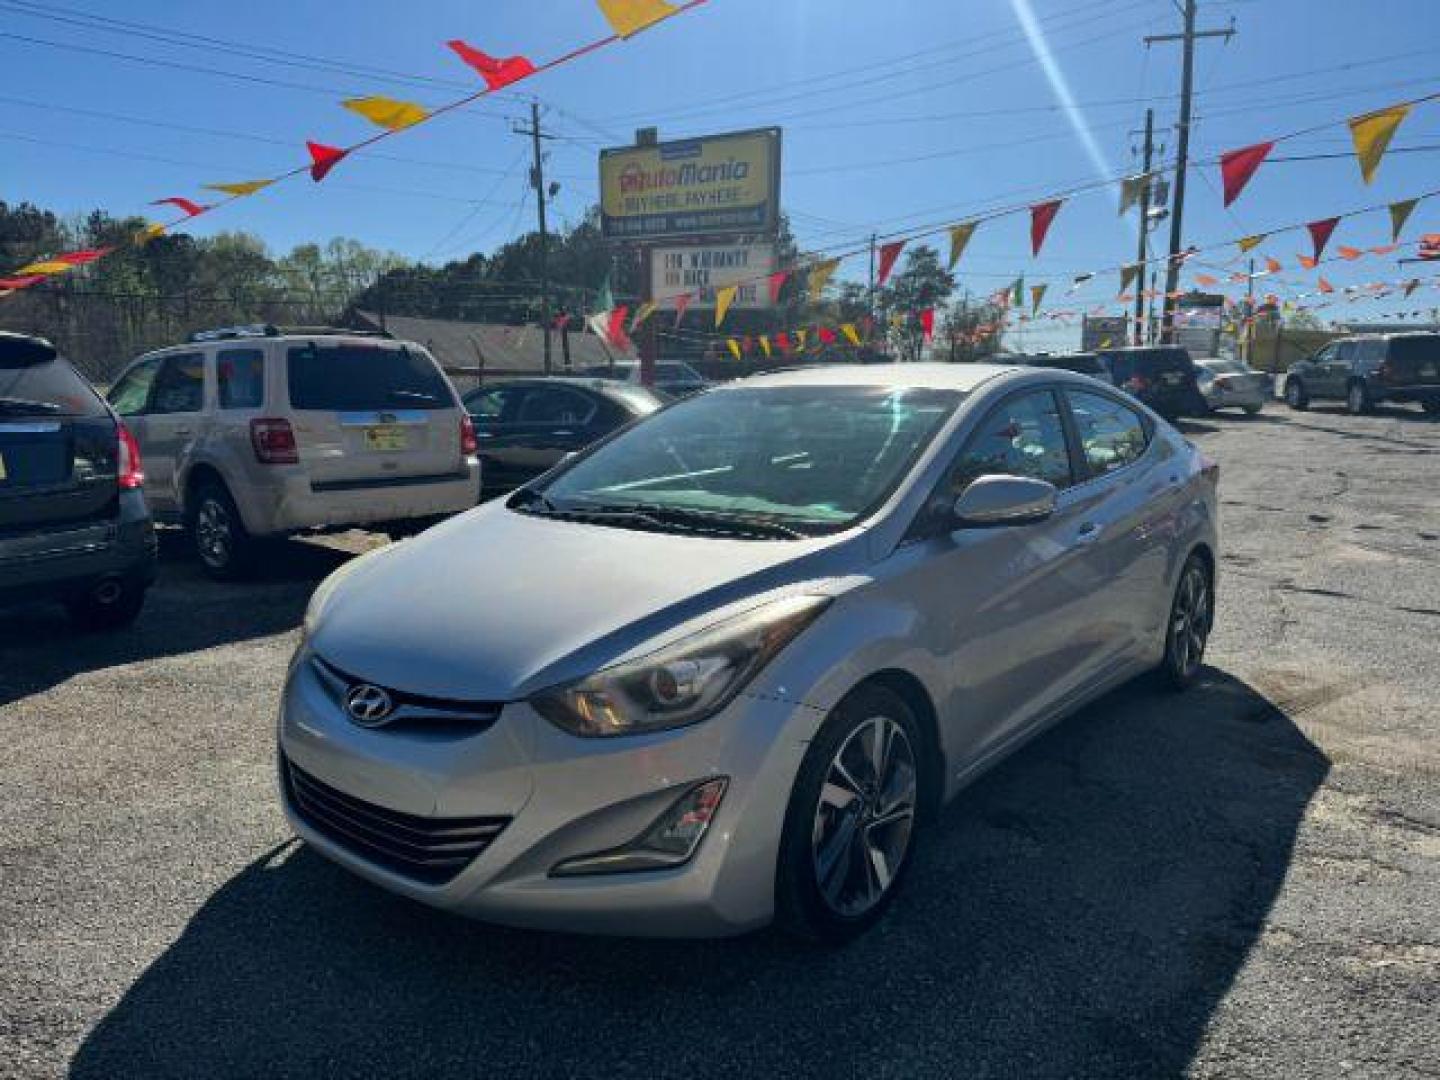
(1081, 911)
(185, 612)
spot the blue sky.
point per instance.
(896, 114)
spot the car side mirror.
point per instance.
(1004, 500)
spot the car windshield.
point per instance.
(361, 378)
(805, 458)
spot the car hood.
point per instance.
(496, 604)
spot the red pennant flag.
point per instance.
(323, 158)
(496, 72)
(1349, 254)
(888, 254)
(782, 340)
(1326, 287)
(868, 324)
(1320, 233)
(827, 336)
(1041, 215)
(927, 317)
(1306, 261)
(681, 303)
(615, 331)
(190, 208)
(562, 320)
(1238, 166)
(777, 282)
(80, 258)
(21, 282)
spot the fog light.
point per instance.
(669, 841)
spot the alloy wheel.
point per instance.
(214, 537)
(1190, 622)
(865, 816)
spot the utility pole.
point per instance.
(1249, 313)
(1182, 153)
(1142, 255)
(537, 181)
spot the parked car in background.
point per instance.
(672, 378)
(1161, 376)
(1368, 370)
(74, 526)
(1229, 384)
(257, 432)
(1080, 363)
(721, 669)
(525, 427)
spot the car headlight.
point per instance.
(682, 683)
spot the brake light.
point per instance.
(469, 444)
(1223, 382)
(131, 472)
(274, 442)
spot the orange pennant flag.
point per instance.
(723, 299)
(1384, 249)
(1372, 134)
(1272, 265)
(1350, 254)
(1206, 281)
(1306, 261)
(387, 112)
(1249, 243)
(1326, 287)
(627, 17)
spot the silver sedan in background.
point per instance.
(1229, 384)
(722, 668)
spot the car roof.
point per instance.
(936, 376)
(585, 382)
(241, 341)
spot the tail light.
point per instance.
(1223, 382)
(131, 471)
(1136, 384)
(468, 443)
(274, 442)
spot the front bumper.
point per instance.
(563, 797)
(288, 502)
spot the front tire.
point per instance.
(1295, 395)
(1357, 398)
(226, 551)
(850, 828)
(1192, 615)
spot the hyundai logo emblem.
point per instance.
(368, 706)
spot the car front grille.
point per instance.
(427, 850)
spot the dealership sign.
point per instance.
(699, 270)
(697, 187)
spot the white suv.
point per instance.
(254, 432)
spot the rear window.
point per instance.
(1415, 350)
(1124, 365)
(365, 378)
(33, 385)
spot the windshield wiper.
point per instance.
(25, 405)
(417, 394)
(708, 521)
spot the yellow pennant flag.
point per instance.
(1037, 293)
(734, 347)
(765, 345)
(45, 266)
(819, 277)
(643, 312)
(1399, 214)
(959, 239)
(851, 334)
(150, 232)
(1372, 133)
(1250, 243)
(387, 112)
(723, 299)
(245, 187)
(628, 17)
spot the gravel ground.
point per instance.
(1242, 881)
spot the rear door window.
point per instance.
(240, 378)
(555, 405)
(494, 404)
(179, 385)
(365, 378)
(1112, 435)
(130, 394)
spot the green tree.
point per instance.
(922, 284)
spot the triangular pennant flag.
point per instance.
(628, 17)
(1349, 254)
(150, 232)
(643, 312)
(20, 281)
(80, 258)
(800, 336)
(1128, 274)
(43, 268)
(1206, 281)
(615, 327)
(927, 323)
(1250, 243)
(1399, 214)
(1272, 266)
(888, 254)
(1372, 133)
(782, 341)
(723, 299)
(1080, 279)
(1411, 286)
(959, 237)
(765, 346)
(496, 71)
(819, 276)
(734, 347)
(777, 282)
(241, 189)
(1306, 261)
(1384, 249)
(1326, 287)
(387, 112)
(825, 334)
(1131, 188)
(1037, 293)
(851, 334)
(1041, 215)
(1320, 233)
(681, 303)
(190, 208)
(1238, 166)
(1017, 292)
(323, 158)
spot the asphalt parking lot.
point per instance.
(1241, 881)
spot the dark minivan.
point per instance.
(1161, 376)
(74, 526)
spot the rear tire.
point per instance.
(1253, 410)
(1187, 630)
(850, 828)
(226, 551)
(107, 605)
(1357, 398)
(1295, 394)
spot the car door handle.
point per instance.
(1088, 533)
(182, 431)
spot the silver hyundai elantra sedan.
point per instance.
(720, 669)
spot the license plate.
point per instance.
(1428, 371)
(386, 437)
